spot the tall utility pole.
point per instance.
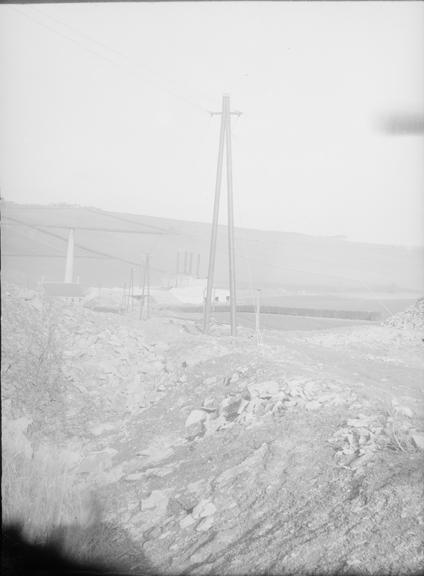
(224, 139)
(69, 267)
(231, 256)
(148, 285)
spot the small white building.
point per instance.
(195, 293)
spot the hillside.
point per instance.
(265, 259)
(152, 448)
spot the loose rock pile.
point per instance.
(412, 318)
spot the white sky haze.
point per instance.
(107, 105)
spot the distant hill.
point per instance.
(34, 246)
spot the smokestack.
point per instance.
(190, 265)
(198, 266)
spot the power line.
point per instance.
(32, 255)
(82, 247)
(93, 229)
(156, 230)
(129, 62)
(128, 220)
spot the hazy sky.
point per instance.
(107, 106)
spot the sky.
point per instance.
(107, 105)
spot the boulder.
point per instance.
(205, 524)
(230, 406)
(195, 424)
(264, 390)
(210, 404)
(203, 509)
(187, 521)
(418, 439)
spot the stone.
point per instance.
(174, 507)
(203, 509)
(264, 390)
(418, 439)
(187, 521)
(134, 476)
(156, 498)
(243, 406)
(278, 407)
(205, 524)
(195, 424)
(154, 507)
(210, 380)
(229, 407)
(210, 404)
(260, 410)
(195, 417)
(187, 501)
(160, 449)
(404, 411)
(235, 378)
(312, 405)
(152, 533)
(99, 429)
(245, 394)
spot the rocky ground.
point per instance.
(205, 454)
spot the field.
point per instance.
(275, 321)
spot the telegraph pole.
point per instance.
(143, 293)
(131, 291)
(69, 267)
(212, 249)
(258, 311)
(148, 285)
(224, 138)
(231, 255)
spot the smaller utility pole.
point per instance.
(132, 289)
(124, 293)
(143, 294)
(178, 269)
(148, 285)
(190, 263)
(258, 311)
(69, 268)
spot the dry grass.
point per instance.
(40, 493)
(41, 496)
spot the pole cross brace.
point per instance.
(232, 113)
